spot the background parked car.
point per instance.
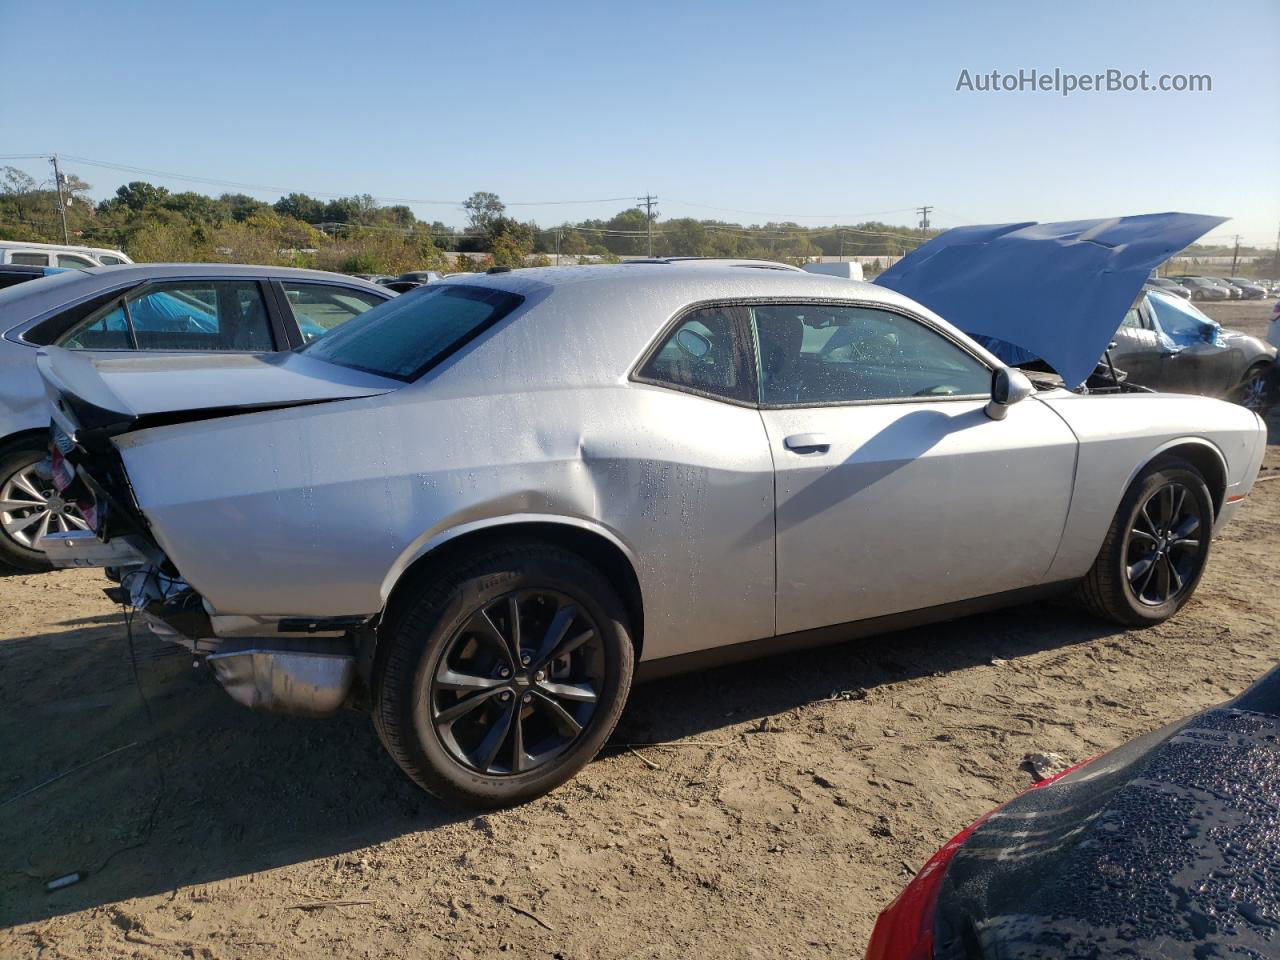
(57, 255)
(11, 274)
(167, 308)
(1164, 283)
(1165, 847)
(1235, 292)
(1167, 344)
(1249, 288)
(1202, 288)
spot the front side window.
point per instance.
(405, 337)
(1180, 321)
(815, 353)
(180, 315)
(704, 353)
(319, 307)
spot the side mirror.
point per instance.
(1008, 386)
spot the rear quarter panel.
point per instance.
(315, 511)
(1121, 434)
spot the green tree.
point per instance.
(482, 209)
(139, 195)
(300, 207)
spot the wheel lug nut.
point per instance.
(506, 695)
(504, 673)
(524, 659)
(527, 697)
(539, 676)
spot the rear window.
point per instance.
(405, 337)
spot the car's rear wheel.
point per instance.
(29, 506)
(505, 676)
(1156, 548)
(1254, 392)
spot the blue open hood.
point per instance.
(1057, 290)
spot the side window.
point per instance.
(1132, 319)
(108, 329)
(704, 353)
(830, 353)
(30, 259)
(179, 315)
(70, 260)
(107, 260)
(319, 307)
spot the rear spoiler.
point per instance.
(88, 411)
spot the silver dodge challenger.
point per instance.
(484, 508)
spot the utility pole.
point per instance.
(840, 234)
(62, 205)
(557, 246)
(648, 200)
(924, 217)
(1235, 257)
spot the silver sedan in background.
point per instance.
(171, 308)
(482, 509)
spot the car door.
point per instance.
(316, 307)
(1137, 349)
(894, 490)
(1196, 358)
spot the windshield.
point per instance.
(407, 336)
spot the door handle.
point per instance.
(808, 443)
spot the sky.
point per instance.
(750, 112)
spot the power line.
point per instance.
(273, 188)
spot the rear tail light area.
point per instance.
(67, 482)
(904, 929)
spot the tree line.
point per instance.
(358, 235)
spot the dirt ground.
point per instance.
(764, 810)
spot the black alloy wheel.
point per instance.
(1163, 551)
(517, 683)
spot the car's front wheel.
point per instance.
(1254, 392)
(1156, 548)
(505, 676)
(29, 505)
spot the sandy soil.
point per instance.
(764, 810)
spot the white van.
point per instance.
(57, 255)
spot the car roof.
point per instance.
(714, 262)
(620, 310)
(702, 278)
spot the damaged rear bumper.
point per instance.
(313, 673)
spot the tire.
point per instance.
(16, 459)
(1197, 295)
(432, 644)
(1110, 589)
(1254, 391)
